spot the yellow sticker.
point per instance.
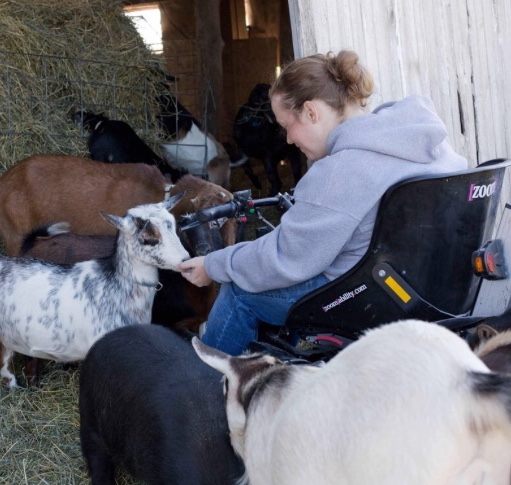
(397, 289)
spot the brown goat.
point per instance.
(200, 194)
(69, 247)
(491, 342)
(44, 189)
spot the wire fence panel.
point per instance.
(39, 95)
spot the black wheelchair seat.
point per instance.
(419, 261)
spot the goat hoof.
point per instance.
(9, 383)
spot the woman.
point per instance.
(319, 101)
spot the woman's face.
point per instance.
(307, 129)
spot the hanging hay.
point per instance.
(56, 56)
(60, 55)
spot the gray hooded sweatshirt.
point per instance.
(329, 228)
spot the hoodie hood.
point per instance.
(408, 129)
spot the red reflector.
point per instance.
(490, 263)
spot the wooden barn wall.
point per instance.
(217, 59)
(251, 55)
(455, 51)
(210, 76)
(192, 47)
(246, 63)
(180, 49)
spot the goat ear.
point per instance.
(116, 221)
(195, 202)
(485, 332)
(213, 357)
(173, 200)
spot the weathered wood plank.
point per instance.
(456, 52)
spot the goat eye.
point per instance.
(226, 386)
(150, 241)
(149, 235)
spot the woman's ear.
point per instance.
(310, 110)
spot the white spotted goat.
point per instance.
(58, 311)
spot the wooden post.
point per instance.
(210, 46)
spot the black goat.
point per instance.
(258, 135)
(175, 120)
(116, 142)
(149, 404)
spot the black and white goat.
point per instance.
(115, 141)
(408, 403)
(148, 403)
(57, 312)
(199, 153)
(174, 119)
(192, 151)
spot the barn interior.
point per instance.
(58, 55)
(221, 47)
(96, 56)
(218, 51)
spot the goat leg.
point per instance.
(6, 358)
(32, 370)
(247, 168)
(271, 168)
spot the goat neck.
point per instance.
(279, 385)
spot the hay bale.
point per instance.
(58, 55)
(39, 432)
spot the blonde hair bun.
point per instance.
(337, 79)
(354, 77)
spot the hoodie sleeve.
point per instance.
(305, 243)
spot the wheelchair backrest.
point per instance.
(418, 264)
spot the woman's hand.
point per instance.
(193, 270)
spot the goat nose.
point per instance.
(202, 249)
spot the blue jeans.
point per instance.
(235, 316)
